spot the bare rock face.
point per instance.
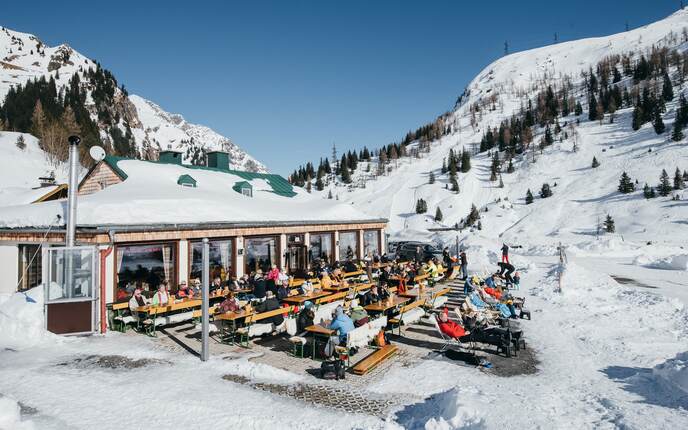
(60, 58)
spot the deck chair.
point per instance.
(447, 341)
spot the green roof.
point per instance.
(186, 180)
(279, 184)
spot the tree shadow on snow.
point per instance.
(642, 382)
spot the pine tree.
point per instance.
(664, 187)
(465, 161)
(676, 133)
(329, 194)
(431, 179)
(21, 144)
(308, 186)
(444, 166)
(667, 89)
(649, 192)
(595, 163)
(454, 185)
(529, 197)
(625, 184)
(319, 184)
(38, 120)
(678, 180)
(501, 183)
(548, 136)
(592, 108)
(510, 167)
(473, 216)
(657, 123)
(579, 109)
(545, 191)
(421, 206)
(609, 224)
(438, 214)
(637, 121)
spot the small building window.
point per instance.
(247, 192)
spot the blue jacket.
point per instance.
(490, 282)
(477, 301)
(342, 323)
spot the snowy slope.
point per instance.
(581, 195)
(24, 57)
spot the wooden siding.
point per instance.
(100, 177)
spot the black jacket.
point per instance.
(259, 288)
(305, 319)
(270, 305)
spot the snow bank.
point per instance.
(673, 373)
(453, 409)
(10, 415)
(22, 320)
(673, 262)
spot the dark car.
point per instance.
(409, 250)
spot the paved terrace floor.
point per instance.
(418, 342)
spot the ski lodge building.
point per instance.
(148, 218)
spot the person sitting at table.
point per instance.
(270, 304)
(342, 324)
(122, 294)
(307, 288)
(385, 275)
(272, 278)
(375, 294)
(350, 266)
(184, 291)
(229, 304)
(451, 328)
(137, 300)
(195, 287)
(432, 269)
(283, 290)
(259, 287)
(306, 317)
(359, 316)
(161, 297)
(325, 281)
(216, 285)
(337, 276)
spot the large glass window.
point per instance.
(348, 245)
(30, 266)
(220, 258)
(260, 253)
(371, 242)
(321, 248)
(146, 266)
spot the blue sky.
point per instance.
(286, 79)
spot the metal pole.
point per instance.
(206, 292)
(72, 190)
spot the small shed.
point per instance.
(244, 187)
(186, 181)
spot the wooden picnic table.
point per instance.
(306, 297)
(233, 315)
(385, 305)
(319, 331)
(338, 287)
(172, 306)
(427, 292)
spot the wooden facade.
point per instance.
(101, 177)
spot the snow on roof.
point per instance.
(150, 195)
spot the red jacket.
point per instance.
(451, 329)
(494, 293)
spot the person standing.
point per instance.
(419, 255)
(464, 264)
(505, 253)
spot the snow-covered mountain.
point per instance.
(24, 57)
(582, 195)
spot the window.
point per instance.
(248, 192)
(30, 266)
(321, 248)
(260, 253)
(221, 259)
(371, 242)
(348, 245)
(146, 266)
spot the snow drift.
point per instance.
(22, 323)
(673, 262)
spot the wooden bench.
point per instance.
(120, 320)
(406, 309)
(373, 360)
(352, 274)
(244, 332)
(331, 298)
(434, 300)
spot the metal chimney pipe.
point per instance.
(72, 190)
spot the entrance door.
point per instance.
(296, 258)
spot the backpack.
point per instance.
(334, 369)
